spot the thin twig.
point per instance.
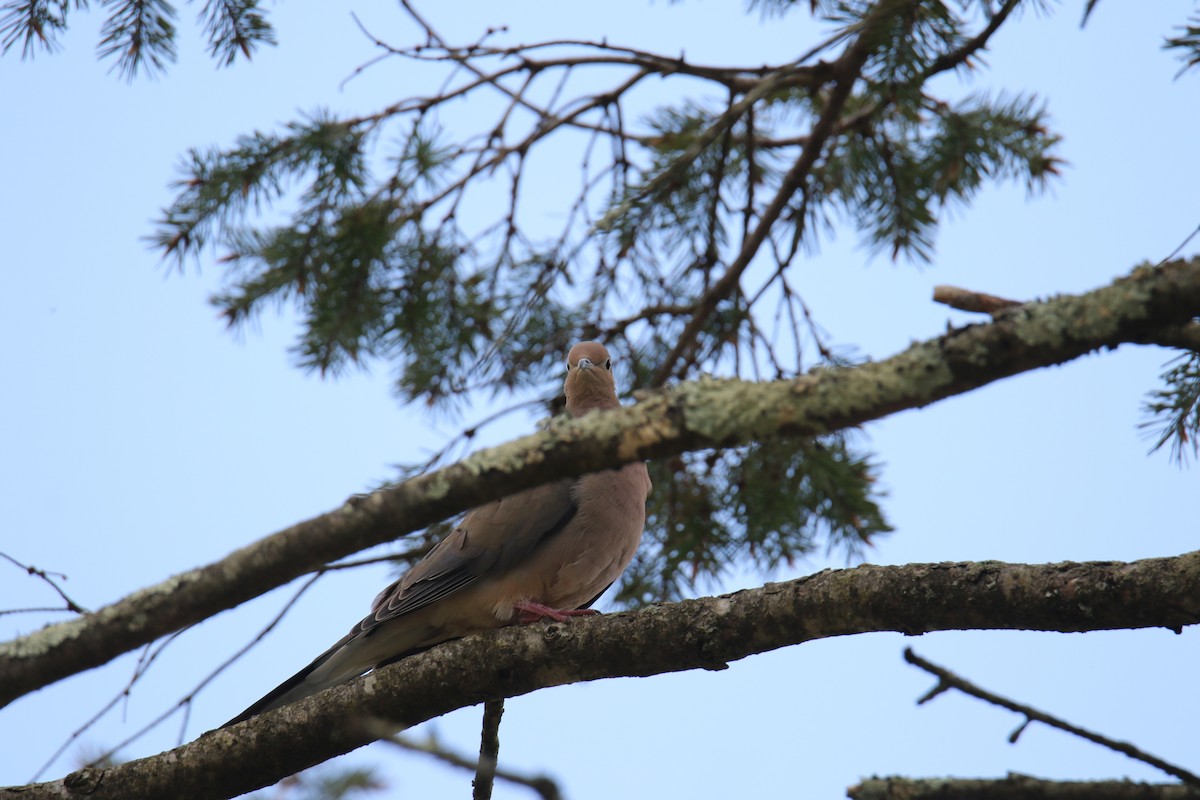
(408, 556)
(35, 610)
(1182, 245)
(976, 43)
(149, 653)
(703, 140)
(541, 784)
(147, 658)
(489, 750)
(948, 680)
(843, 73)
(44, 575)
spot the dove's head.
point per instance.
(589, 382)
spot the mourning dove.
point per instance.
(547, 552)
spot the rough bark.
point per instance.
(705, 634)
(691, 416)
(1013, 787)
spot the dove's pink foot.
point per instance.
(529, 611)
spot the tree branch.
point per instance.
(967, 300)
(704, 634)
(50, 578)
(489, 751)
(1014, 787)
(541, 784)
(845, 72)
(948, 680)
(691, 416)
(1184, 337)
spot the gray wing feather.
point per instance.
(489, 539)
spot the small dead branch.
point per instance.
(49, 578)
(489, 750)
(541, 784)
(966, 300)
(948, 680)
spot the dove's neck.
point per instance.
(578, 405)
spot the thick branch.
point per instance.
(1184, 337)
(705, 634)
(1014, 787)
(691, 416)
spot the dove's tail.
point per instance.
(307, 681)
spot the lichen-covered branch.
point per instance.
(703, 634)
(690, 416)
(1013, 787)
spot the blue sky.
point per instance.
(140, 438)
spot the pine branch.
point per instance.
(845, 72)
(511, 277)
(233, 27)
(692, 416)
(139, 34)
(705, 634)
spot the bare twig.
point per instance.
(707, 137)
(72, 606)
(150, 653)
(184, 703)
(541, 784)
(948, 680)
(410, 555)
(966, 300)
(489, 750)
(844, 73)
(1179, 249)
(35, 610)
